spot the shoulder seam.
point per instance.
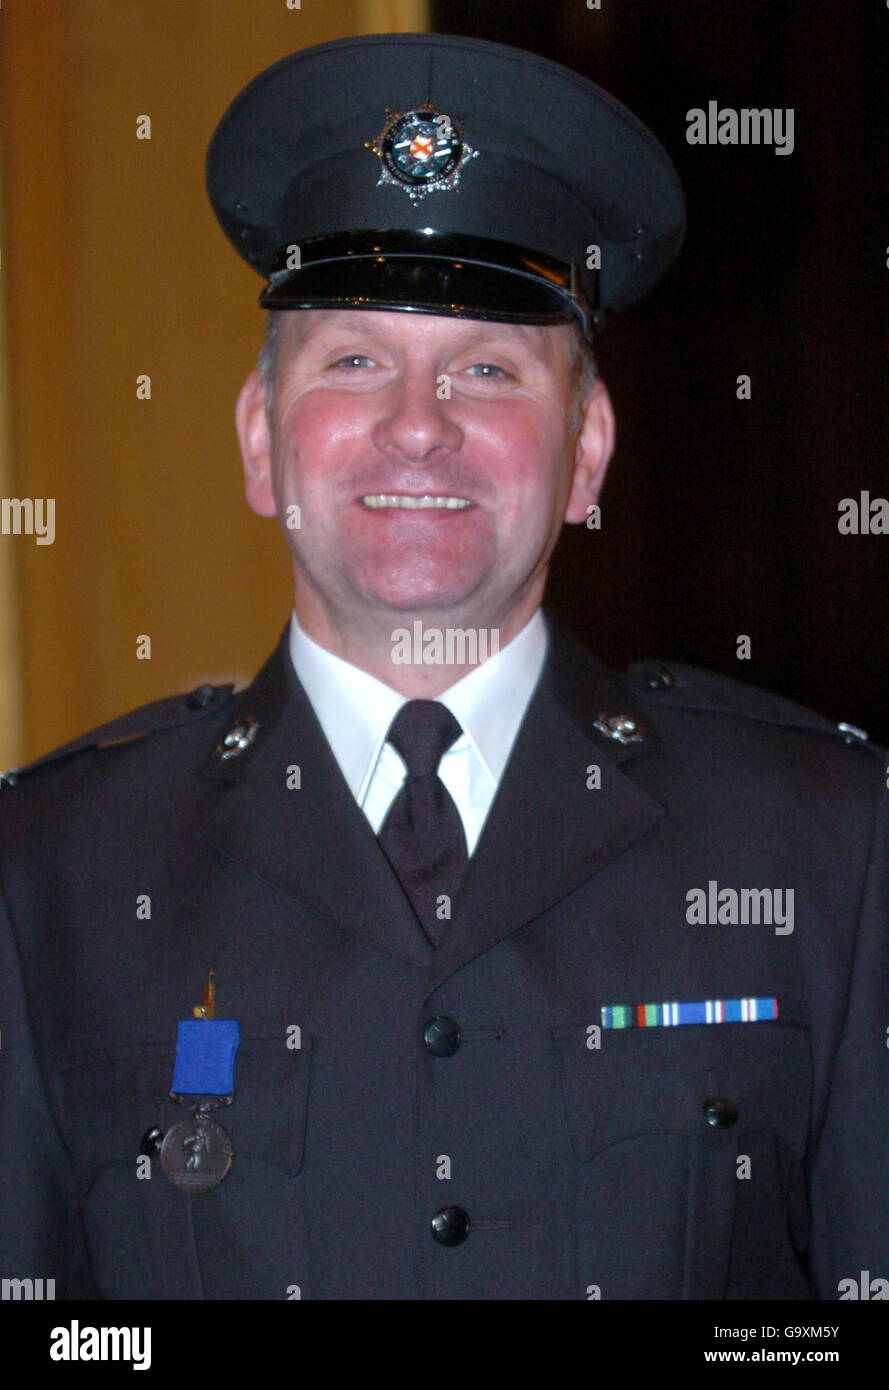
(674, 685)
(136, 724)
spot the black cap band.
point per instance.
(427, 272)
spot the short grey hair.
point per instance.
(269, 353)
(585, 372)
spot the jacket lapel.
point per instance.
(313, 841)
(547, 832)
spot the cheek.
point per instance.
(525, 451)
(314, 440)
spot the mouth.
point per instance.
(403, 500)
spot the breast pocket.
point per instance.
(689, 1144)
(245, 1238)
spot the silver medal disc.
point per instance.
(196, 1154)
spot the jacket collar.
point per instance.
(548, 831)
(289, 816)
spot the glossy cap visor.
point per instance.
(460, 277)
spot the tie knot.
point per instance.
(422, 731)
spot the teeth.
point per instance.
(415, 504)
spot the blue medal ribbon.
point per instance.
(205, 1057)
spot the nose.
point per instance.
(416, 419)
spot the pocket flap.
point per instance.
(111, 1099)
(658, 1080)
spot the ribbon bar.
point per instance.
(676, 1014)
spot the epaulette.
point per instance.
(670, 684)
(169, 713)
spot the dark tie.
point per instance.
(422, 835)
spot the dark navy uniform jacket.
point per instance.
(728, 1160)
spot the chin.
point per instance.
(417, 592)
(405, 597)
(413, 605)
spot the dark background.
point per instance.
(720, 515)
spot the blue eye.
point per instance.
(353, 362)
(487, 369)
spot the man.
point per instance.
(520, 979)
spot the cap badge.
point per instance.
(421, 151)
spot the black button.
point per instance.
(151, 1141)
(660, 678)
(200, 698)
(450, 1226)
(720, 1113)
(442, 1036)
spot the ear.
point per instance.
(592, 451)
(254, 438)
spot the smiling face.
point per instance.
(433, 464)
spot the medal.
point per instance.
(197, 1153)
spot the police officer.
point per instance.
(442, 962)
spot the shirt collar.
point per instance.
(355, 709)
(491, 699)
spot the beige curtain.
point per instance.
(115, 273)
(391, 16)
(10, 676)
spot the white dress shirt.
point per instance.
(356, 710)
